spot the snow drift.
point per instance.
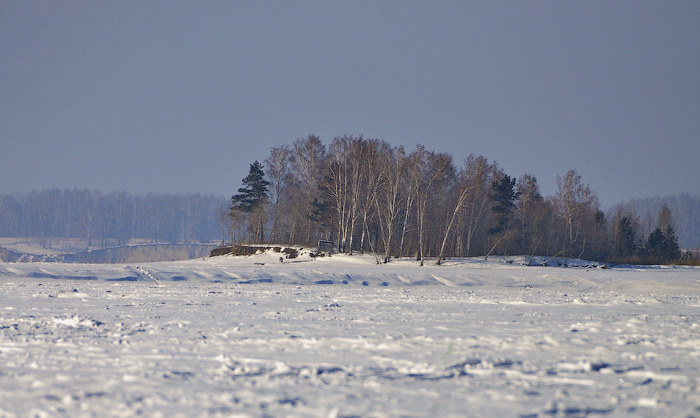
(341, 336)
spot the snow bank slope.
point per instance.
(362, 270)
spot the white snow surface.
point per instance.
(343, 337)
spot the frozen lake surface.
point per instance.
(342, 337)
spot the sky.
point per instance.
(182, 96)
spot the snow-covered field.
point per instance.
(343, 337)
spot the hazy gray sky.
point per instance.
(170, 96)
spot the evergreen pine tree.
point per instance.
(504, 195)
(655, 244)
(625, 238)
(671, 251)
(253, 192)
(662, 248)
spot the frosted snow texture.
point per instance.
(250, 336)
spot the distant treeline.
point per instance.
(110, 219)
(685, 212)
(365, 195)
(359, 194)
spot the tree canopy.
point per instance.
(366, 195)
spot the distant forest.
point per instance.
(109, 219)
(364, 195)
(685, 213)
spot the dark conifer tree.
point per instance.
(504, 195)
(655, 245)
(671, 251)
(625, 238)
(253, 192)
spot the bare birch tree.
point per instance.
(308, 166)
(389, 193)
(433, 167)
(277, 169)
(479, 174)
(414, 166)
(463, 190)
(575, 202)
(338, 166)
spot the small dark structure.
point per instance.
(325, 246)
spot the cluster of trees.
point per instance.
(366, 195)
(111, 219)
(660, 247)
(685, 210)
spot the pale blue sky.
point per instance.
(172, 96)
